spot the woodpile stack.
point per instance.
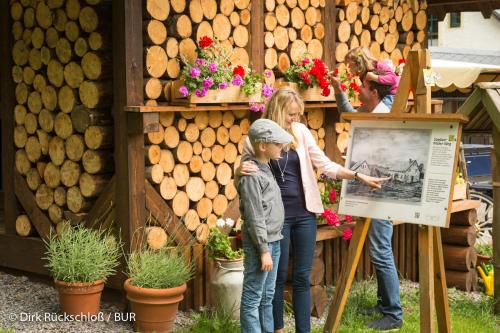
(191, 161)
(342, 130)
(292, 28)
(63, 132)
(314, 119)
(173, 28)
(390, 29)
(458, 250)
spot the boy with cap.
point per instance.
(263, 216)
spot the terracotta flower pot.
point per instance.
(155, 309)
(76, 298)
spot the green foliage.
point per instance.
(6, 330)
(252, 83)
(292, 74)
(218, 246)
(162, 269)
(213, 321)
(484, 249)
(82, 255)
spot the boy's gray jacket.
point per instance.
(261, 207)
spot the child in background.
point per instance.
(263, 214)
(362, 63)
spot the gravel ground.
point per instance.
(22, 297)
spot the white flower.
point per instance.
(221, 223)
(229, 222)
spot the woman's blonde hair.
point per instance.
(277, 105)
(362, 58)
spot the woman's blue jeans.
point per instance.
(301, 232)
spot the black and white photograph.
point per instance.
(400, 154)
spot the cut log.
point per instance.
(390, 42)
(230, 191)
(306, 33)
(298, 19)
(221, 27)
(57, 151)
(64, 51)
(95, 94)
(63, 126)
(282, 15)
(220, 205)
(283, 62)
(207, 171)
(195, 164)
(22, 162)
(204, 208)
(222, 135)
(156, 237)
(173, 68)
(167, 118)
(217, 154)
(70, 173)
(158, 9)
(206, 154)
(197, 148)
(407, 21)
(30, 123)
(156, 61)
(421, 20)
(458, 235)
(33, 179)
(154, 173)
(195, 188)
(80, 47)
(171, 137)
(191, 220)
(172, 47)
(95, 66)
(52, 175)
(153, 153)
(315, 49)
(211, 221)
(202, 231)
(343, 31)
(66, 99)
(292, 35)
(319, 31)
(195, 11)
(35, 102)
(465, 218)
(365, 38)
(224, 174)
(342, 141)
(240, 36)
(99, 137)
(33, 149)
(211, 189)
(270, 21)
(21, 136)
(46, 120)
(311, 16)
(230, 153)
(180, 203)
(187, 49)
(152, 88)
(297, 50)
(341, 51)
(234, 18)
(98, 161)
(82, 118)
(184, 152)
(167, 160)
(92, 185)
(181, 174)
(168, 188)
(271, 57)
(458, 279)
(60, 196)
(75, 201)
(24, 227)
(44, 196)
(458, 258)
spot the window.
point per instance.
(432, 28)
(455, 20)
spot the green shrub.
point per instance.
(485, 250)
(216, 320)
(165, 268)
(219, 246)
(82, 255)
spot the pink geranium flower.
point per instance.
(333, 196)
(347, 234)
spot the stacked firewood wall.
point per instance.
(458, 250)
(390, 29)
(173, 28)
(191, 161)
(63, 132)
(292, 29)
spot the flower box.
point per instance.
(308, 95)
(230, 95)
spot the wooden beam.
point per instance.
(27, 199)
(103, 204)
(128, 90)
(491, 101)
(471, 103)
(7, 103)
(257, 36)
(23, 253)
(440, 288)
(330, 14)
(495, 159)
(426, 278)
(166, 217)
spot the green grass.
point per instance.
(6, 330)
(470, 313)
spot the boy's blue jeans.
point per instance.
(256, 311)
(382, 258)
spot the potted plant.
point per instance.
(329, 191)
(309, 77)
(213, 79)
(156, 285)
(227, 284)
(80, 260)
(484, 253)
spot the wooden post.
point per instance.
(426, 278)
(349, 270)
(129, 147)
(330, 13)
(440, 289)
(495, 158)
(7, 103)
(257, 43)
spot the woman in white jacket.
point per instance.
(295, 175)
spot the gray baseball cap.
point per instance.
(266, 130)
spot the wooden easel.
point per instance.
(433, 292)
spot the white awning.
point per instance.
(462, 74)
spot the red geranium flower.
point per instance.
(326, 92)
(348, 218)
(239, 70)
(347, 234)
(323, 84)
(343, 87)
(205, 42)
(336, 72)
(354, 86)
(305, 61)
(401, 61)
(333, 196)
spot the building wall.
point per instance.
(475, 32)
